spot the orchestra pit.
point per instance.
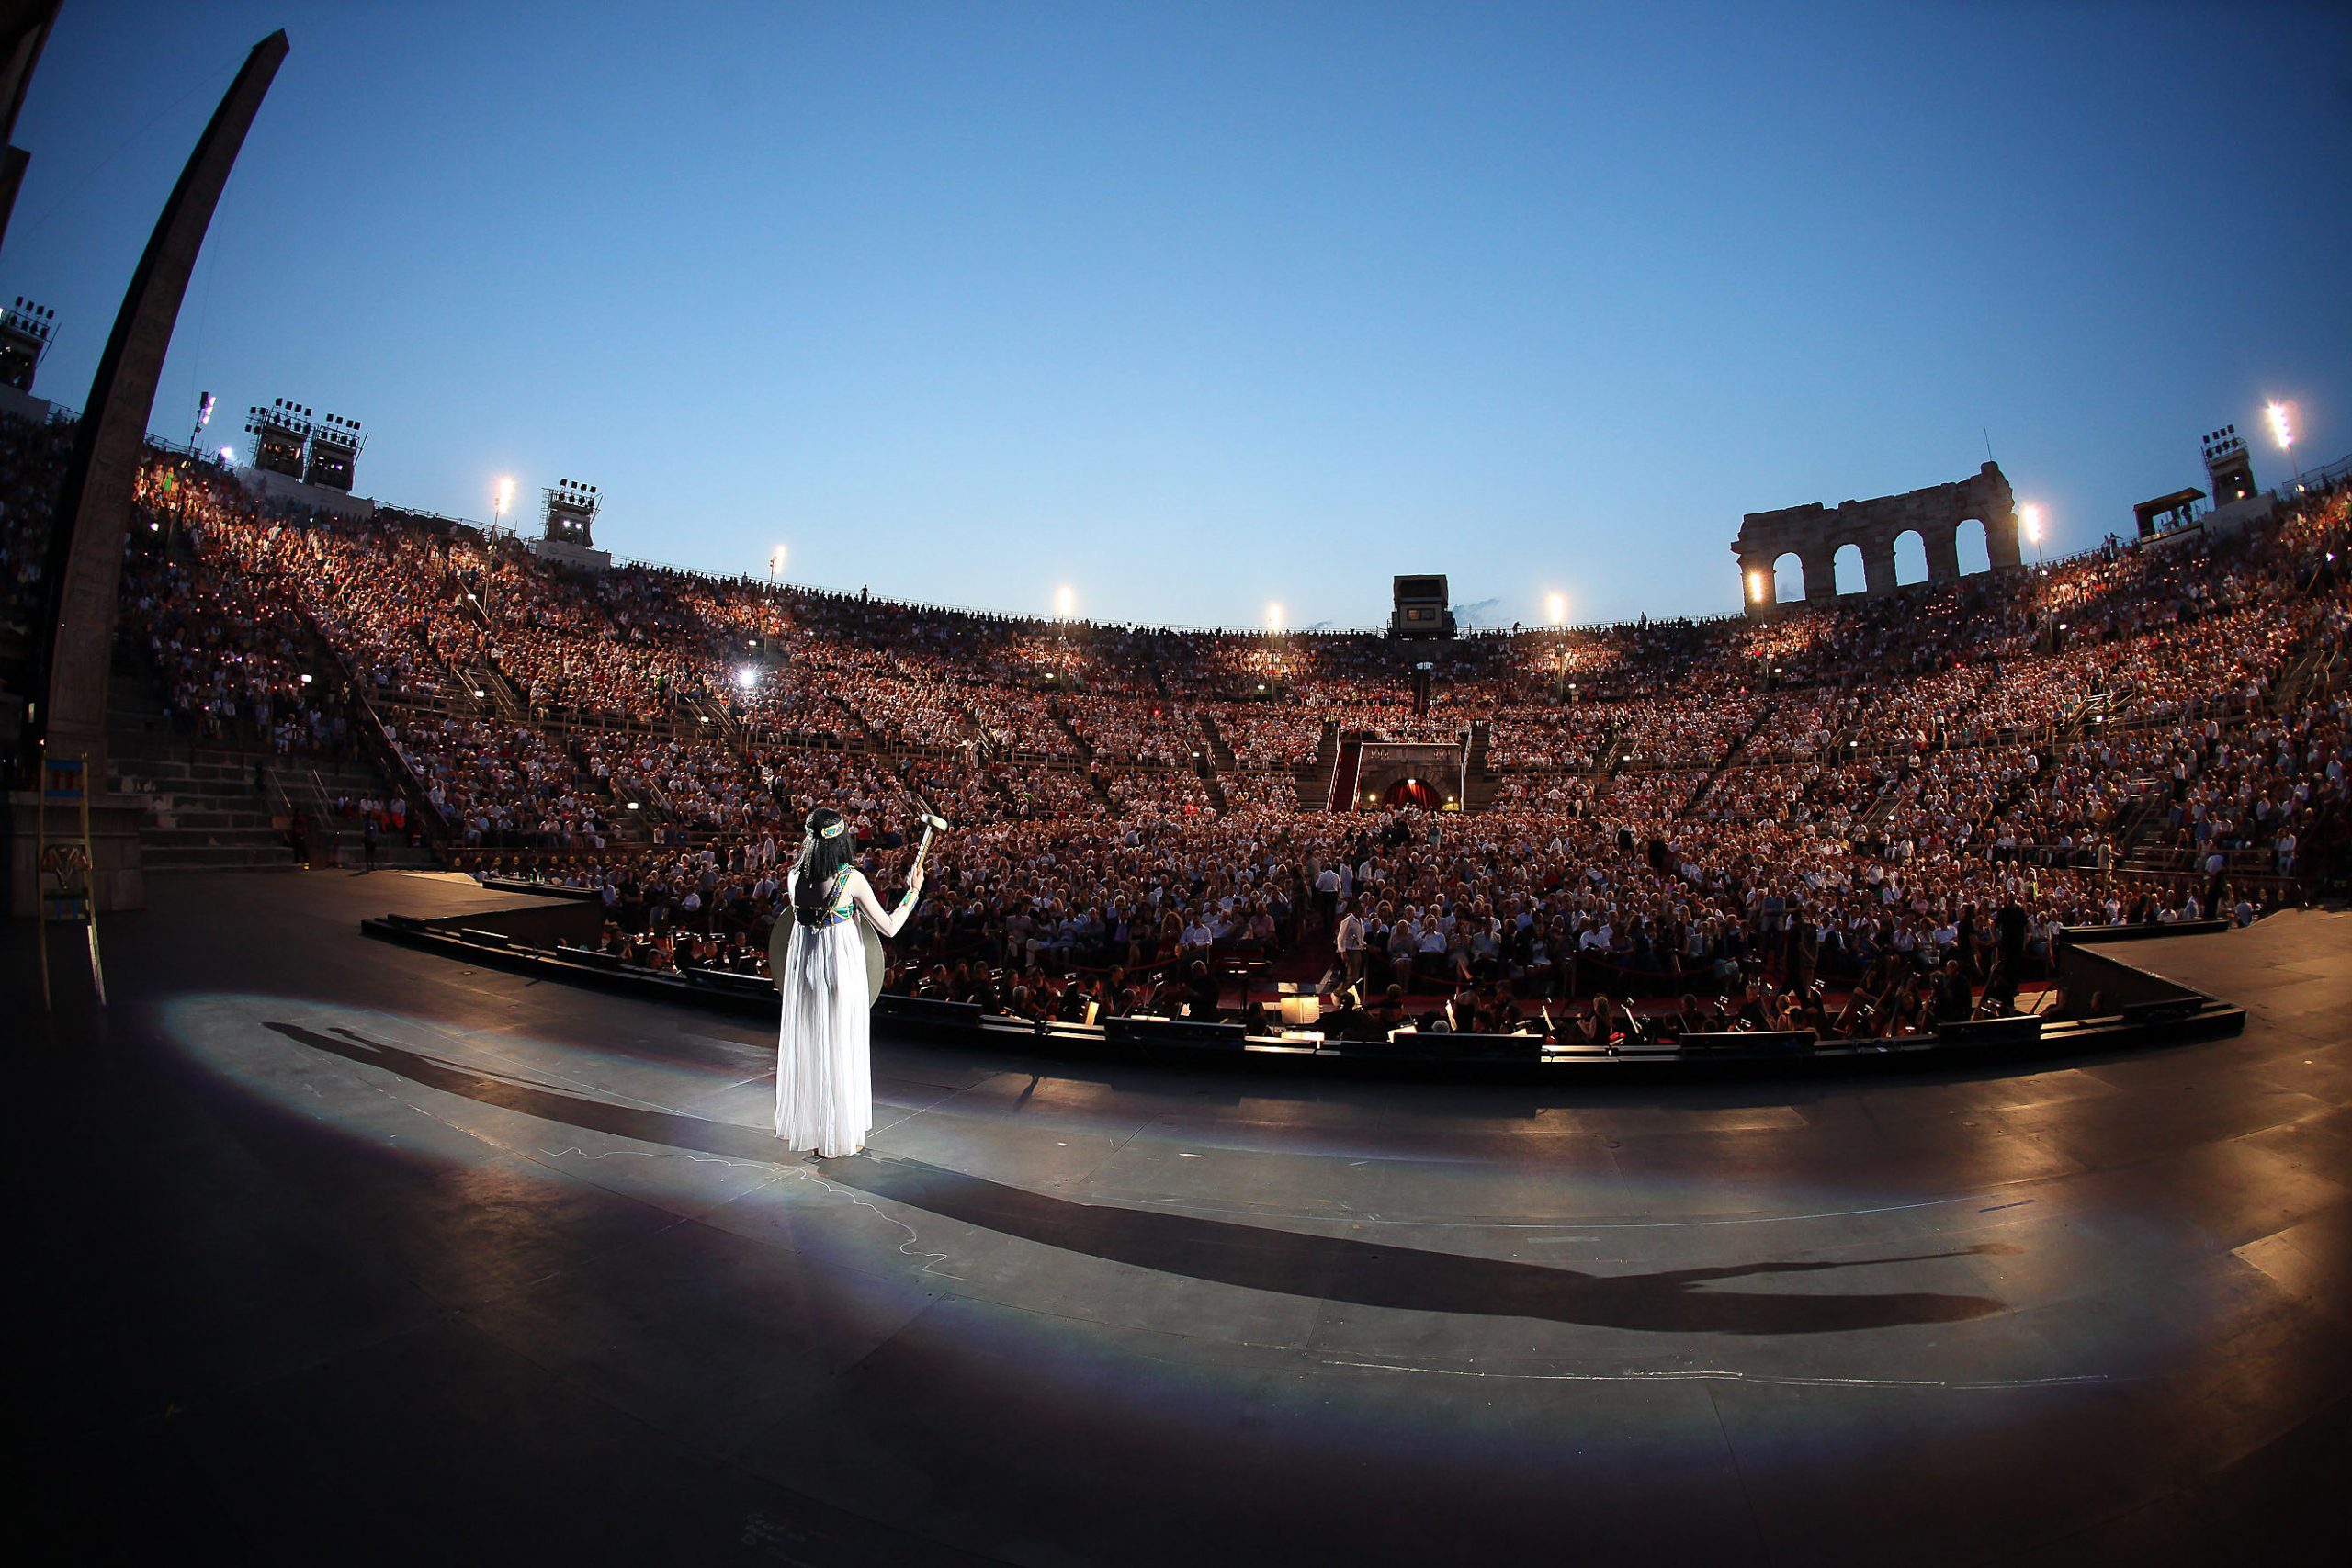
(1863, 1076)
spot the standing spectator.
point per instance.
(1351, 941)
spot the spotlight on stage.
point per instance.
(746, 678)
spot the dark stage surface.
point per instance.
(340, 1252)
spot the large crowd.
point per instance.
(1825, 806)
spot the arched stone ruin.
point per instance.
(1814, 534)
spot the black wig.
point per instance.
(830, 844)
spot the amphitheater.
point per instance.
(1865, 1077)
(486, 1208)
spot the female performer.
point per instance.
(824, 1080)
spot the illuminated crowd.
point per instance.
(1747, 818)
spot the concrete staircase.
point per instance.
(1314, 780)
(1478, 780)
(222, 807)
(1217, 746)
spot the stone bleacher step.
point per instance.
(202, 817)
(210, 837)
(216, 857)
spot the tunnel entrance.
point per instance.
(1417, 792)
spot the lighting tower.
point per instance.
(27, 331)
(335, 452)
(281, 433)
(570, 513)
(2229, 468)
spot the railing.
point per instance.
(2325, 476)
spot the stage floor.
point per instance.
(339, 1252)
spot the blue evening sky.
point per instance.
(1197, 307)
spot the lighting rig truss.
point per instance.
(334, 452)
(570, 511)
(281, 432)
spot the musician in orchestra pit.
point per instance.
(1597, 1027)
(824, 1079)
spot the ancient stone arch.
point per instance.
(1816, 533)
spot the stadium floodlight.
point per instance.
(1556, 608)
(1274, 616)
(2282, 431)
(776, 563)
(228, 454)
(501, 499)
(1755, 586)
(2031, 517)
(1065, 601)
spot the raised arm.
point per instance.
(861, 894)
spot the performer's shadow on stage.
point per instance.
(1339, 1269)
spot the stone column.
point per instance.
(1820, 576)
(1943, 551)
(1878, 563)
(2001, 541)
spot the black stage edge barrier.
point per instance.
(1782, 1041)
(925, 1013)
(2136, 1008)
(559, 922)
(2098, 983)
(1189, 1034)
(2163, 1010)
(1440, 1045)
(537, 889)
(1993, 1031)
(2148, 931)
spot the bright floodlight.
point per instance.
(2280, 430)
(747, 678)
(775, 561)
(1557, 607)
(1065, 601)
(1274, 616)
(503, 498)
(1755, 586)
(2031, 517)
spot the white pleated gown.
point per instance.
(824, 1070)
